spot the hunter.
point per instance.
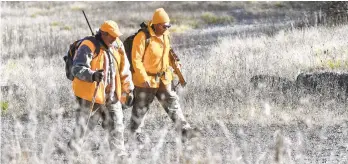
(109, 71)
(153, 78)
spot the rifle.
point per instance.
(88, 22)
(175, 61)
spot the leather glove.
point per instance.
(98, 75)
(130, 99)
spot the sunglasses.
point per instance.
(166, 26)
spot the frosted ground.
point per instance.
(239, 124)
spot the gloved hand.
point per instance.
(130, 99)
(98, 75)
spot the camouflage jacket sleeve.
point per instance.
(125, 72)
(82, 63)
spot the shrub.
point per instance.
(4, 105)
(210, 18)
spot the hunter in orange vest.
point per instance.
(110, 68)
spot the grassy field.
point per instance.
(221, 45)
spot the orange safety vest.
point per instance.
(84, 89)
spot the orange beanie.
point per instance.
(160, 16)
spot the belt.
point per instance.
(155, 74)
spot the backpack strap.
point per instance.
(147, 41)
(143, 28)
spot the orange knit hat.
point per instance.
(160, 16)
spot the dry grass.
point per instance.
(218, 62)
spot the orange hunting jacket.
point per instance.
(153, 60)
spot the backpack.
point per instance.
(128, 43)
(69, 57)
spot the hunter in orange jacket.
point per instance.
(152, 61)
(153, 77)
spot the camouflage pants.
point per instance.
(112, 121)
(167, 98)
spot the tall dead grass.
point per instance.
(237, 127)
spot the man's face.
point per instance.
(108, 39)
(161, 28)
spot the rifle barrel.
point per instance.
(88, 23)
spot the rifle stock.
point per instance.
(175, 60)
